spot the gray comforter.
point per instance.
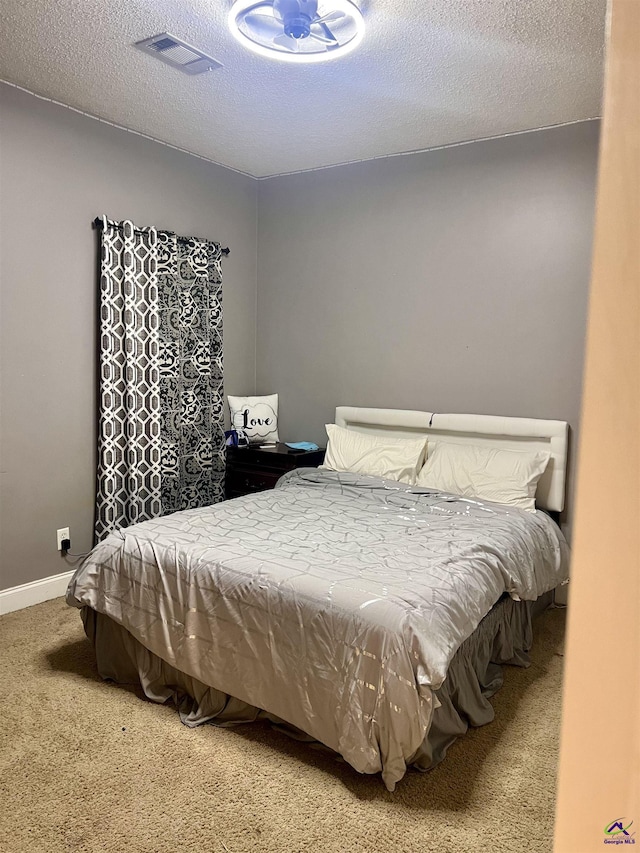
(335, 602)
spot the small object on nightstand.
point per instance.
(231, 438)
(256, 469)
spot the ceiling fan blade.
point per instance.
(328, 35)
(332, 16)
(263, 24)
(326, 44)
(287, 42)
(322, 39)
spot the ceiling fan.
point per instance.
(297, 30)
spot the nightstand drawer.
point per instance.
(251, 470)
(243, 482)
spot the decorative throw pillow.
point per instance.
(377, 455)
(502, 476)
(257, 417)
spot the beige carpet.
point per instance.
(90, 766)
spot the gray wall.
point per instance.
(452, 281)
(58, 171)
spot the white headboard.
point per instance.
(506, 433)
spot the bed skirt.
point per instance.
(504, 636)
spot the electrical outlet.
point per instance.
(62, 533)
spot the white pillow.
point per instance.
(503, 476)
(378, 455)
(256, 416)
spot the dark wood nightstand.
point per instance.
(256, 469)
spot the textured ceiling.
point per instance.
(428, 73)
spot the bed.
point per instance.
(368, 614)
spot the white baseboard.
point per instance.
(18, 597)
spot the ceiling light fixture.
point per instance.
(300, 31)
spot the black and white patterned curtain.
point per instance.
(161, 433)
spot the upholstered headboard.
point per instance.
(488, 430)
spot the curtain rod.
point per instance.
(98, 223)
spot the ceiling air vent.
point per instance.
(178, 54)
